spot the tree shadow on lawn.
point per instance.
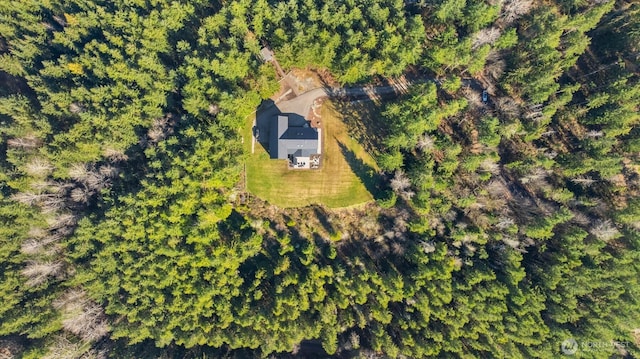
(363, 122)
(371, 179)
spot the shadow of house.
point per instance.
(371, 179)
(265, 113)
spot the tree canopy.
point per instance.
(507, 220)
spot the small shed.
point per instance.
(266, 54)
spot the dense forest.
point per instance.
(505, 226)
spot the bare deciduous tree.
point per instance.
(38, 272)
(27, 198)
(369, 224)
(37, 245)
(95, 181)
(457, 262)
(473, 97)
(79, 172)
(605, 230)
(583, 181)
(371, 354)
(401, 184)
(214, 109)
(48, 202)
(550, 154)
(579, 217)
(59, 188)
(52, 204)
(527, 242)
(161, 128)
(61, 220)
(81, 316)
(535, 114)
(427, 246)
(594, 134)
(397, 248)
(387, 234)
(469, 249)
(450, 216)
(37, 232)
(504, 223)
(514, 9)
(516, 244)
(485, 36)
(354, 340)
(400, 222)
(76, 108)
(618, 180)
(39, 167)
(31, 246)
(72, 298)
(24, 143)
(489, 165)
(95, 353)
(89, 323)
(109, 171)
(425, 143)
(63, 348)
(80, 195)
(536, 177)
(41, 186)
(114, 155)
(157, 132)
(60, 20)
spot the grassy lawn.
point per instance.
(346, 177)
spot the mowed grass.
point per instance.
(336, 184)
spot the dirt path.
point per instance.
(303, 102)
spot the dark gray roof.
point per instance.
(299, 133)
(297, 141)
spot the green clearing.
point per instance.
(347, 175)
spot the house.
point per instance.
(299, 143)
